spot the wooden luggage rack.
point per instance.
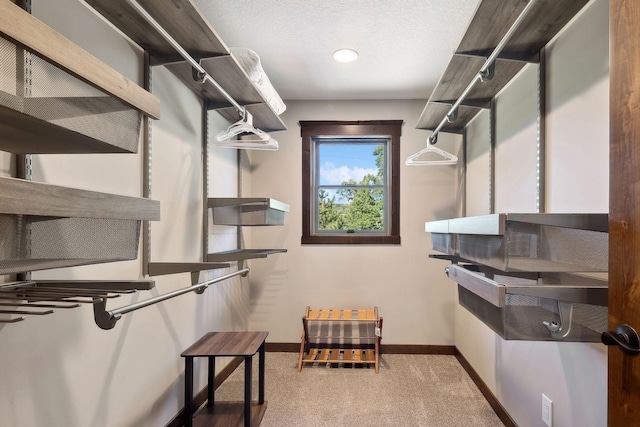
(347, 336)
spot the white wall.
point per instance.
(478, 152)
(412, 293)
(515, 157)
(61, 369)
(573, 375)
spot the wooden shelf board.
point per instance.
(340, 355)
(24, 30)
(433, 114)
(225, 71)
(162, 268)
(242, 254)
(180, 18)
(494, 17)
(263, 117)
(21, 197)
(120, 285)
(462, 69)
(12, 266)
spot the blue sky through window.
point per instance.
(341, 162)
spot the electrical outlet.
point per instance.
(547, 410)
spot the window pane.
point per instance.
(354, 163)
(351, 186)
(358, 209)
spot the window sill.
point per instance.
(350, 240)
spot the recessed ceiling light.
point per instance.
(345, 55)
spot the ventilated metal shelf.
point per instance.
(549, 307)
(45, 226)
(252, 211)
(518, 273)
(492, 20)
(526, 242)
(185, 23)
(57, 98)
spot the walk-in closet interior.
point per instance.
(161, 197)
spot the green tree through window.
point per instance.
(363, 208)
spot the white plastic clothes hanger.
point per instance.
(448, 158)
(261, 140)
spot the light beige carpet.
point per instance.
(410, 390)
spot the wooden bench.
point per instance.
(341, 336)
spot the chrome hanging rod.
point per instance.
(484, 71)
(195, 64)
(107, 319)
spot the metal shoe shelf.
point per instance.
(457, 99)
(530, 276)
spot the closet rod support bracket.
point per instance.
(487, 73)
(452, 116)
(198, 76)
(107, 319)
(103, 318)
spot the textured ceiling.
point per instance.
(404, 45)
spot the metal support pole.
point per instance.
(146, 169)
(205, 181)
(492, 157)
(541, 181)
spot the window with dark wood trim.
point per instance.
(312, 133)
